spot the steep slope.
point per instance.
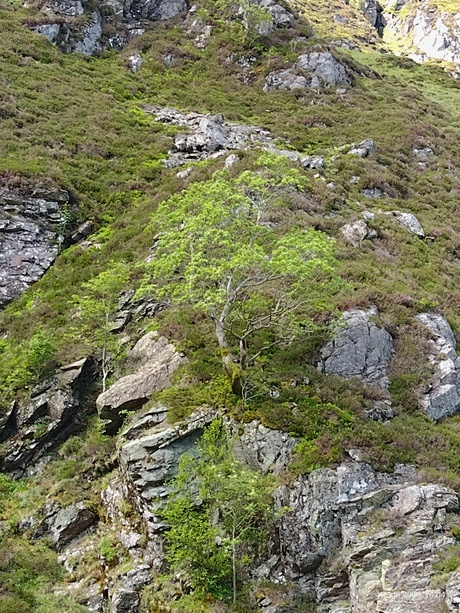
(301, 107)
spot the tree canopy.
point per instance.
(95, 309)
(220, 247)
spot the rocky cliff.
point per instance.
(322, 164)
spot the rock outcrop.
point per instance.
(443, 396)
(377, 536)
(207, 136)
(423, 30)
(315, 70)
(56, 409)
(363, 149)
(276, 16)
(210, 136)
(124, 596)
(350, 538)
(156, 360)
(150, 460)
(359, 349)
(108, 24)
(69, 523)
(61, 525)
(31, 231)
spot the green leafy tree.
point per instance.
(219, 513)
(96, 307)
(218, 249)
(22, 364)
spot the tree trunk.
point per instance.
(231, 368)
(243, 353)
(105, 368)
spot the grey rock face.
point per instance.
(408, 221)
(263, 448)
(276, 17)
(315, 70)
(123, 17)
(49, 31)
(92, 32)
(425, 32)
(360, 349)
(66, 8)
(157, 360)
(70, 522)
(124, 596)
(443, 396)
(285, 79)
(363, 149)
(148, 462)
(384, 532)
(282, 18)
(30, 235)
(211, 135)
(157, 10)
(325, 69)
(55, 410)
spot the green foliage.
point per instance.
(182, 398)
(27, 571)
(216, 250)
(22, 365)
(39, 353)
(218, 512)
(108, 550)
(95, 310)
(449, 560)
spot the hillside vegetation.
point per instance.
(80, 123)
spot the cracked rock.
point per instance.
(360, 349)
(443, 395)
(314, 70)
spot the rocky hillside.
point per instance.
(229, 378)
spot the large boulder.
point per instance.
(315, 70)
(408, 221)
(443, 395)
(70, 522)
(359, 349)
(56, 409)
(31, 230)
(157, 360)
(356, 232)
(363, 149)
(211, 135)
